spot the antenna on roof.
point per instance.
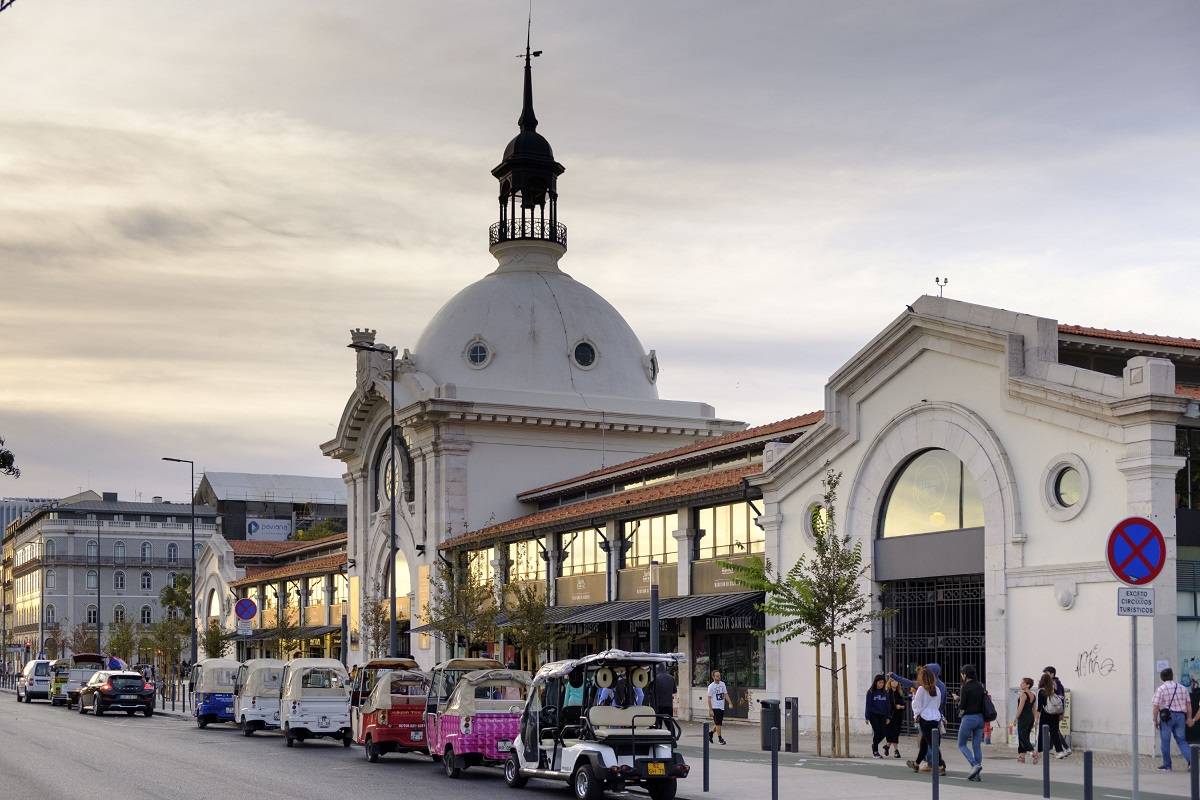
(941, 284)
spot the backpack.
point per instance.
(989, 708)
(1054, 704)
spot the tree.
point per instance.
(167, 637)
(820, 599)
(461, 608)
(376, 623)
(528, 620)
(216, 641)
(122, 640)
(176, 598)
(81, 639)
(320, 530)
(8, 462)
(56, 638)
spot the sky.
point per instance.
(199, 200)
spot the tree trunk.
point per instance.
(833, 701)
(845, 703)
(817, 706)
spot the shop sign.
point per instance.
(634, 583)
(711, 576)
(580, 590)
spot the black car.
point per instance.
(117, 691)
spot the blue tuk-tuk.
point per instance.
(211, 684)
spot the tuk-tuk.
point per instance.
(591, 722)
(315, 701)
(441, 682)
(256, 694)
(211, 683)
(363, 680)
(391, 716)
(481, 719)
(60, 670)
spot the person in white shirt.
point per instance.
(717, 692)
(927, 712)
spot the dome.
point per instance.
(529, 144)
(528, 326)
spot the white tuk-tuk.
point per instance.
(256, 694)
(315, 700)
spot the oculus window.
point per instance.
(931, 494)
(585, 354)
(477, 353)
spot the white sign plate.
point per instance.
(244, 628)
(1135, 601)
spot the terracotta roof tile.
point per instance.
(782, 426)
(1129, 336)
(621, 501)
(1190, 392)
(307, 567)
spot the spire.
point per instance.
(528, 120)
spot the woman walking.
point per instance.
(1049, 714)
(927, 712)
(878, 712)
(1026, 700)
(897, 698)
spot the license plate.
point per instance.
(656, 768)
(129, 697)
(276, 715)
(324, 722)
(417, 736)
(504, 745)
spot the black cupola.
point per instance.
(528, 178)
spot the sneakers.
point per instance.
(1063, 754)
(710, 737)
(721, 739)
(912, 765)
(897, 755)
(887, 750)
(1163, 767)
(876, 755)
(973, 775)
(926, 768)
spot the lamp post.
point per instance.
(653, 606)
(192, 495)
(393, 641)
(98, 584)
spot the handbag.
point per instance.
(989, 708)
(1164, 713)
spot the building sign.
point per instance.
(634, 583)
(268, 530)
(580, 590)
(742, 622)
(711, 577)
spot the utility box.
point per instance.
(791, 724)
(771, 724)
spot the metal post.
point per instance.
(1194, 769)
(1133, 712)
(393, 640)
(1046, 761)
(654, 607)
(192, 554)
(775, 764)
(98, 650)
(705, 736)
(935, 760)
(1087, 775)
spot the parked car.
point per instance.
(391, 716)
(569, 733)
(121, 690)
(363, 680)
(211, 684)
(481, 719)
(34, 681)
(256, 694)
(315, 701)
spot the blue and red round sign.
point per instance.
(246, 609)
(1136, 551)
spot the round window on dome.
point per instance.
(477, 353)
(1068, 487)
(585, 354)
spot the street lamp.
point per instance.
(192, 495)
(653, 606)
(393, 642)
(98, 523)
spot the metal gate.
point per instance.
(937, 620)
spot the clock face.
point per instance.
(389, 480)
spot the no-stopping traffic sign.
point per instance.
(1136, 551)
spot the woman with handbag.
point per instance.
(1049, 714)
(927, 713)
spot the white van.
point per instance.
(256, 694)
(34, 681)
(315, 700)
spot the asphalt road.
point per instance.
(54, 753)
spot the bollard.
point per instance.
(1087, 775)
(775, 765)
(1046, 761)
(935, 760)
(705, 738)
(1194, 769)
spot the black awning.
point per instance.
(268, 634)
(609, 612)
(701, 605)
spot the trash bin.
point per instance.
(771, 724)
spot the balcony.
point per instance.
(126, 525)
(514, 229)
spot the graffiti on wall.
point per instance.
(1092, 662)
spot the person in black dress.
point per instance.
(898, 702)
(1026, 702)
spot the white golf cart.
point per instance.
(591, 722)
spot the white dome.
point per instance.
(531, 318)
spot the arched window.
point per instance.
(119, 552)
(196, 550)
(51, 579)
(146, 616)
(92, 615)
(50, 548)
(118, 580)
(147, 582)
(214, 605)
(170, 579)
(93, 550)
(93, 579)
(147, 551)
(51, 614)
(932, 493)
(118, 613)
(172, 553)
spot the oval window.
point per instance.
(585, 354)
(1068, 487)
(478, 354)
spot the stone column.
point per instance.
(772, 522)
(685, 535)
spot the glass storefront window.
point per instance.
(729, 530)
(739, 655)
(316, 591)
(1187, 480)
(583, 554)
(651, 539)
(525, 561)
(480, 568)
(932, 494)
(341, 588)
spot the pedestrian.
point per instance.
(971, 707)
(878, 712)
(1026, 700)
(936, 670)
(897, 702)
(926, 709)
(664, 692)
(1172, 708)
(718, 692)
(1050, 709)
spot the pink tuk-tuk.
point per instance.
(481, 719)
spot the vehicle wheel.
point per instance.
(347, 741)
(512, 773)
(372, 752)
(130, 713)
(247, 728)
(662, 790)
(287, 736)
(96, 711)
(82, 707)
(584, 783)
(148, 711)
(435, 758)
(201, 721)
(451, 767)
(28, 699)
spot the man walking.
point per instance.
(971, 720)
(717, 692)
(1172, 708)
(664, 692)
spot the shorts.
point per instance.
(718, 715)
